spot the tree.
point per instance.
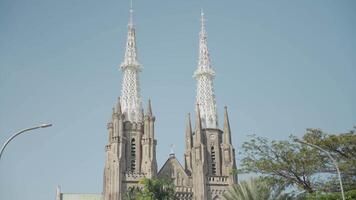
(343, 148)
(294, 164)
(153, 189)
(283, 162)
(132, 193)
(256, 189)
(349, 195)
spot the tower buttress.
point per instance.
(188, 145)
(199, 164)
(149, 162)
(228, 152)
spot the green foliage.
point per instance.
(153, 189)
(234, 171)
(132, 193)
(343, 148)
(256, 189)
(349, 195)
(283, 162)
(293, 164)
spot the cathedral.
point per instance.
(209, 158)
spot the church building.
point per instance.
(209, 158)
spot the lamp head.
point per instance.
(45, 125)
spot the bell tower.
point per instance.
(131, 148)
(209, 153)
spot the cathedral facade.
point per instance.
(209, 158)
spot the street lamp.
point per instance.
(333, 160)
(18, 133)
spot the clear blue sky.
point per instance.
(282, 67)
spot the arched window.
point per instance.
(213, 163)
(133, 154)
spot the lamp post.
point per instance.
(333, 160)
(19, 133)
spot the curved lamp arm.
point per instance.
(331, 158)
(19, 133)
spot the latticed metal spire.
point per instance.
(205, 75)
(130, 94)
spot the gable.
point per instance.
(173, 170)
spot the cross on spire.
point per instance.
(172, 146)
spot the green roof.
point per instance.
(66, 196)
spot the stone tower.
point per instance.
(210, 156)
(131, 149)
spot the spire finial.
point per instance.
(202, 21)
(131, 14)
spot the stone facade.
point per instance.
(209, 157)
(209, 161)
(130, 153)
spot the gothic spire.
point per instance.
(204, 75)
(227, 130)
(130, 93)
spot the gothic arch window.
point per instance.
(213, 163)
(133, 154)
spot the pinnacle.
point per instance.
(198, 125)
(227, 130)
(188, 126)
(118, 106)
(149, 108)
